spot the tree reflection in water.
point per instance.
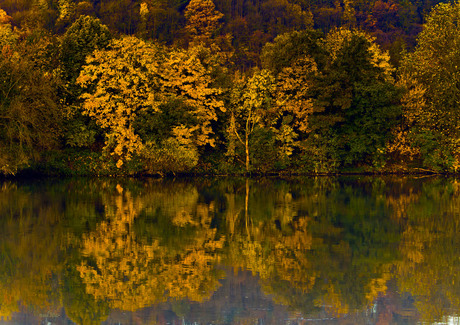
(230, 251)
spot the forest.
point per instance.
(230, 87)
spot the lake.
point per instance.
(326, 250)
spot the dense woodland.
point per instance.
(121, 87)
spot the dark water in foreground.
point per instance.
(230, 251)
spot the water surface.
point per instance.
(347, 250)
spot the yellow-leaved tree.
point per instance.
(250, 101)
(6, 31)
(120, 82)
(202, 20)
(190, 103)
(152, 103)
(293, 104)
(187, 75)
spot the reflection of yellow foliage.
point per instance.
(333, 302)
(192, 277)
(401, 203)
(271, 254)
(8, 302)
(412, 245)
(185, 217)
(377, 286)
(290, 253)
(133, 275)
(430, 269)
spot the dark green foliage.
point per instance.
(358, 107)
(154, 126)
(30, 118)
(84, 36)
(435, 150)
(374, 112)
(264, 155)
(287, 48)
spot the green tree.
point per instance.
(281, 16)
(357, 104)
(122, 16)
(287, 48)
(84, 36)
(30, 116)
(433, 68)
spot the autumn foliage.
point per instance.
(128, 87)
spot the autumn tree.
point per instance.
(202, 20)
(294, 104)
(188, 75)
(7, 36)
(293, 57)
(190, 106)
(152, 104)
(250, 102)
(120, 82)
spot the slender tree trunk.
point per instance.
(247, 152)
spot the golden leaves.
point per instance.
(292, 91)
(121, 83)
(202, 19)
(131, 76)
(184, 75)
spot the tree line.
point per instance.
(82, 96)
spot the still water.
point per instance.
(347, 250)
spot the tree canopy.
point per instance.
(168, 87)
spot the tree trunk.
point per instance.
(247, 152)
